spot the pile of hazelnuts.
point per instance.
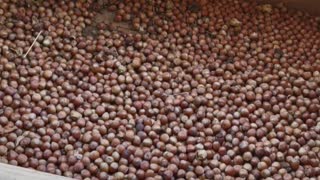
(194, 89)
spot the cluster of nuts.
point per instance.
(198, 89)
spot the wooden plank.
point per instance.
(10, 172)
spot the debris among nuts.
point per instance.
(235, 22)
(266, 8)
(202, 154)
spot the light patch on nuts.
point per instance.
(47, 42)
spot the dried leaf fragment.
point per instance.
(235, 22)
(266, 8)
(7, 129)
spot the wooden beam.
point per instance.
(10, 172)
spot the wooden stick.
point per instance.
(32, 44)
